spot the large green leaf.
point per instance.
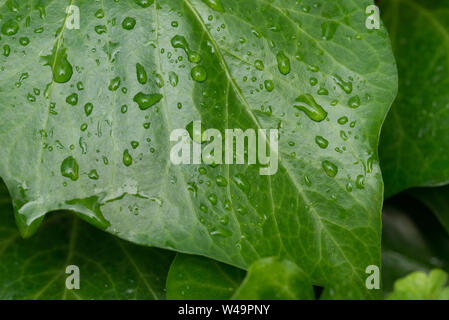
(437, 199)
(420, 286)
(109, 268)
(415, 138)
(412, 240)
(73, 136)
(198, 278)
(274, 279)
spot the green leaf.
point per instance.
(83, 128)
(412, 239)
(437, 199)
(275, 279)
(415, 137)
(420, 286)
(109, 268)
(198, 278)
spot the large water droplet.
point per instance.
(61, 68)
(321, 142)
(128, 23)
(141, 74)
(330, 168)
(283, 63)
(215, 5)
(310, 107)
(127, 159)
(10, 28)
(146, 101)
(199, 74)
(70, 169)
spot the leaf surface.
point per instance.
(415, 137)
(109, 268)
(198, 278)
(86, 116)
(275, 279)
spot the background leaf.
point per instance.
(415, 137)
(198, 278)
(86, 116)
(109, 268)
(275, 279)
(412, 240)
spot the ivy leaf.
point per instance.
(86, 117)
(437, 199)
(275, 279)
(420, 286)
(412, 240)
(109, 268)
(198, 278)
(415, 137)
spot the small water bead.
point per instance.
(269, 85)
(127, 159)
(174, 24)
(31, 98)
(100, 29)
(346, 86)
(39, 30)
(93, 174)
(24, 41)
(329, 168)
(199, 73)
(10, 28)
(88, 108)
(134, 144)
(128, 23)
(343, 120)
(181, 43)
(313, 68)
(321, 142)
(259, 65)
(141, 74)
(146, 101)
(204, 208)
(72, 99)
(310, 107)
(313, 81)
(99, 14)
(114, 84)
(80, 86)
(323, 92)
(360, 182)
(221, 181)
(283, 63)
(6, 50)
(70, 168)
(307, 181)
(83, 127)
(179, 105)
(354, 102)
(159, 80)
(124, 108)
(215, 5)
(36, 91)
(173, 79)
(144, 3)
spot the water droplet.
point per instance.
(61, 68)
(321, 142)
(343, 120)
(242, 183)
(93, 174)
(213, 199)
(6, 50)
(283, 63)
(269, 85)
(346, 86)
(215, 5)
(199, 74)
(323, 92)
(24, 41)
(354, 102)
(221, 181)
(100, 29)
(144, 3)
(173, 78)
(114, 84)
(88, 108)
(128, 23)
(330, 168)
(181, 42)
(328, 30)
(311, 108)
(10, 28)
(360, 182)
(127, 159)
(69, 168)
(146, 101)
(141, 74)
(259, 65)
(72, 99)
(99, 14)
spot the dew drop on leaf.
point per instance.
(146, 101)
(310, 107)
(141, 74)
(321, 142)
(128, 23)
(330, 168)
(283, 63)
(127, 159)
(10, 28)
(69, 168)
(199, 74)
